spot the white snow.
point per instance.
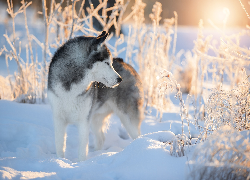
(27, 149)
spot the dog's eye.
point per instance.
(107, 63)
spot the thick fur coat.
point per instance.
(85, 85)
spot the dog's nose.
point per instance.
(119, 79)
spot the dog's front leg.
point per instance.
(83, 128)
(60, 136)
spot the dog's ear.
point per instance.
(101, 38)
(103, 33)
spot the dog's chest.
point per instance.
(77, 109)
(73, 108)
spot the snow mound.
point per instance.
(27, 149)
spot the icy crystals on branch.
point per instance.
(155, 16)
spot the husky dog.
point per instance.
(85, 85)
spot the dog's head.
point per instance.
(85, 57)
(100, 62)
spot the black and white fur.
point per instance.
(83, 89)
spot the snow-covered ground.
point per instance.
(27, 148)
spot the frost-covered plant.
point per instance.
(215, 62)
(191, 76)
(25, 81)
(166, 83)
(148, 48)
(225, 155)
(230, 107)
(178, 145)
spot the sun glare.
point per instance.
(226, 13)
(220, 15)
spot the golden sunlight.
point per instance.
(224, 13)
(217, 11)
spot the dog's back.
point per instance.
(125, 100)
(129, 94)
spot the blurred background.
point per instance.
(189, 11)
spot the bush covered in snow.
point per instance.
(229, 107)
(225, 155)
